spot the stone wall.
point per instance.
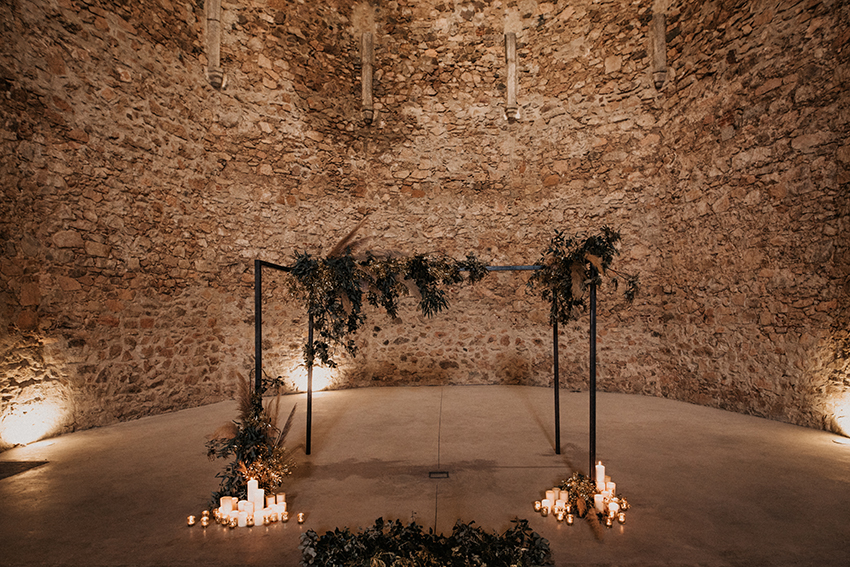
(136, 196)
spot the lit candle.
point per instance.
(205, 521)
(253, 485)
(600, 474)
(621, 517)
(537, 505)
(570, 519)
(190, 520)
(300, 517)
(560, 505)
(226, 504)
(599, 503)
(613, 508)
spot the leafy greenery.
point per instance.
(392, 544)
(332, 289)
(256, 445)
(569, 264)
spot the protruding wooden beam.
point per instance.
(511, 108)
(658, 40)
(367, 57)
(215, 74)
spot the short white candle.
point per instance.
(242, 522)
(550, 495)
(556, 493)
(226, 503)
(560, 504)
(547, 504)
(280, 497)
(600, 473)
(271, 500)
(611, 487)
(599, 503)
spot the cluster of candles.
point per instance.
(605, 501)
(258, 509)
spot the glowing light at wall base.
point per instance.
(322, 378)
(841, 413)
(29, 422)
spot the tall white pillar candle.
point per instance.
(259, 499)
(253, 485)
(600, 474)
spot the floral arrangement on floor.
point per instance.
(392, 544)
(595, 501)
(256, 444)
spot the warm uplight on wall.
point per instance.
(27, 423)
(841, 413)
(322, 378)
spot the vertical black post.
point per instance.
(258, 328)
(309, 384)
(590, 470)
(557, 390)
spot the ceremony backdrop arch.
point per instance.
(258, 355)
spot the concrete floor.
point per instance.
(707, 487)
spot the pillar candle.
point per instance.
(280, 497)
(599, 503)
(226, 503)
(613, 508)
(243, 519)
(271, 500)
(611, 487)
(259, 499)
(600, 474)
(253, 485)
(547, 504)
(556, 492)
(550, 495)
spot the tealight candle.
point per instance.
(205, 521)
(284, 517)
(537, 505)
(190, 521)
(300, 517)
(570, 519)
(609, 521)
(233, 522)
(621, 517)
(559, 515)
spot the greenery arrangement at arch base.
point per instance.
(393, 544)
(255, 443)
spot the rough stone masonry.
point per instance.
(136, 195)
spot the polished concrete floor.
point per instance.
(707, 487)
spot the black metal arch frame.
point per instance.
(258, 355)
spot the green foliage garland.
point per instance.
(332, 289)
(388, 544)
(569, 264)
